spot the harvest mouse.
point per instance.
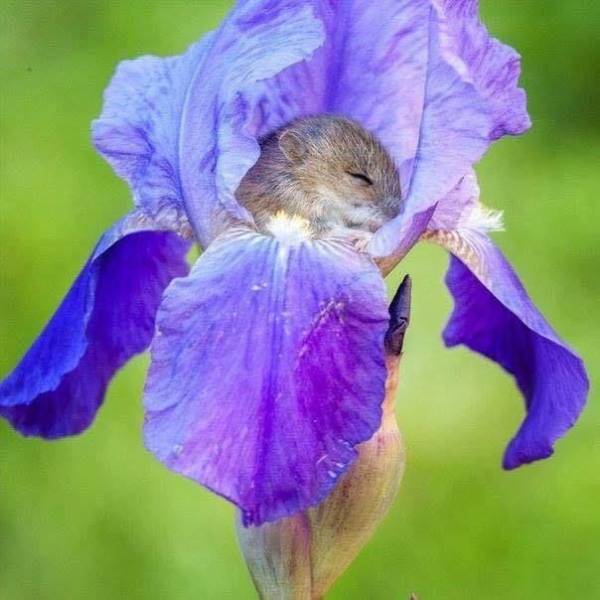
(328, 170)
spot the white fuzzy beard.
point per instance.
(289, 229)
(482, 219)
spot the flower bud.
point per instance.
(344, 522)
(300, 557)
(278, 556)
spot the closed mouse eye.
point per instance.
(361, 177)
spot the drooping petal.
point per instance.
(267, 370)
(176, 128)
(106, 317)
(493, 315)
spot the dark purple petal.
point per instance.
(179, 129)
(267, 370)
(493, 315)
(106, 317)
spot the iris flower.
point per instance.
(267, 357)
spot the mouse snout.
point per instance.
(361, 215)
(391, 205)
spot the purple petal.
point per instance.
(369, 68)
(493, 67)
(402, 79)
(106, 317)
(445, 219)
(392, 242)
(179, 129)
(494, 316)
(258, 40)
(470, 99)
(267, 370)
(427, 79)
(138, 129)
(454, 211)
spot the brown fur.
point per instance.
(304, 169)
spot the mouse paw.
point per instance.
(360, 240)
(361, 243)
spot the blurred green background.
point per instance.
(98, 517)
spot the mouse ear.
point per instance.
(292, 145)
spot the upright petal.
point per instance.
(369, 68)
(471, 98)
(493, 315)
(267, 370)
(427, 79)
(106, 317)
(177, 128)
(224, 111)
(401, 78)
(139, 127)
(493, 67)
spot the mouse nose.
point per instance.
(392, 205)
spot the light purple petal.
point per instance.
(401, 78)
(493, 67)
(471, 98)
(494, 315)
(445, 219)
(426, 79)
(392, 243)
(106, 317)
(369, 68)
(454, 211)
(139, 127)
(176, 128)
(223, 115)
(267, 370)
(424, 76)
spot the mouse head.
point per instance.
(344, 166)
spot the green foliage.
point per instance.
(97, 517)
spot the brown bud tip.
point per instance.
(399, 317)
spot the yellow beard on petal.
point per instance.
(289, 229)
